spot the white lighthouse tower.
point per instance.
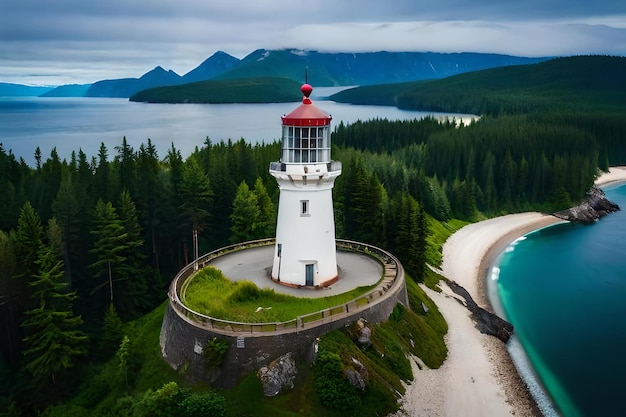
(305, 253)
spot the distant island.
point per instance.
(247, 90)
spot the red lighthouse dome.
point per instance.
(307, 114)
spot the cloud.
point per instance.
(515, 38)
(61, 41)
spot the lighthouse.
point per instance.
(305, 254)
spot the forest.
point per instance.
(245, 90)
(92, 242)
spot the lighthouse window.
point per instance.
(304, 207)
(304, 144)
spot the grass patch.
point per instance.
(439, 233)
(210, 293)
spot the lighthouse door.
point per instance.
(309, 275)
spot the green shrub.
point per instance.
(333, 389)
(245, 291)
(203, 404)
(214, 352)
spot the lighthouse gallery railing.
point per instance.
(392, 271)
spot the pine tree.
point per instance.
(28, 240)
(149, 197)
(126, 160)
(410, 238)
(195, 195)
(66, 210)
(53, 337)
(265, 225)
(102, 178)
(133, 272)
(245, 214)
(112, 331)
(9, 297)
(366, 197)
(109, 245)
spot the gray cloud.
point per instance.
(71, 41)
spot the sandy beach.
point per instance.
(478, 378)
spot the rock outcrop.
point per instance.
(357, 375)
(594, 207)
(278, 375)
(486, 322)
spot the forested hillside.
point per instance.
(96, 239)
(249, 90)
(579, 83)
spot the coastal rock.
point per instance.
(486, 322)
(278, 375)
(358, 375)
(593, 208)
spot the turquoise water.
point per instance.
(564, 289)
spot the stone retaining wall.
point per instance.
(182, 337)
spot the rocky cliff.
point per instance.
(595, 206)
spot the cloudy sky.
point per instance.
(53, 42)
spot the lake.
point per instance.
(70, 124)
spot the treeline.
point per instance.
(496, 165)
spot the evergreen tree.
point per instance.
(102, 177)
(245, 214)
(109, 245)
(195, 196)
(28, 240)
(53, 337)
(265, 224)
(126, 161)
(46, 184)
(112, 331)
(133, 273)
(9, 295)
(463, 199)
(66, 209)
(367, 198)
(410, 237)
(215, 160)
(149, 197)
(10, 183)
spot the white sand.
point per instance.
(478, 377)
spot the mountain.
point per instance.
(213, 66)
(337, 69)
(342, 69)
(318, 68)
(126, 87)
(20, 90)
(216, 64)
(68, 90)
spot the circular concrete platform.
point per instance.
(355, 270)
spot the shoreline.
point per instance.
(479, 377)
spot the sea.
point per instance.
(73, 124)
(563, 287)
